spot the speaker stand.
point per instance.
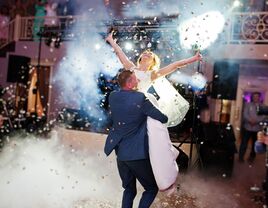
(195, 132)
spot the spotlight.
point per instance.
(128, 46)
(236, 3)
(202, 30)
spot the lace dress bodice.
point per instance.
(144, 78)
(171, 103)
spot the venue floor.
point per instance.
(43, 175)
(242, 190)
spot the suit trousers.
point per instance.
(141, 170)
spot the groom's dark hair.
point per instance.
(123, 77)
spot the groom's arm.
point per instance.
(150, 110)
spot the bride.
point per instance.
(148, 72)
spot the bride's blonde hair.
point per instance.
(156, 61)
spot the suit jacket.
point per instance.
(128, 134)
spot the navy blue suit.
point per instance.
(128, 137)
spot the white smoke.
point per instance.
(196, 81)
(38, 172)
(86, 58)
(202, 30)
(149, 8)
(68, 170)
(185, 8)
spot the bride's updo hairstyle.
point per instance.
(156, 61)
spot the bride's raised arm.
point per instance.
(119, 52)
(174, 66)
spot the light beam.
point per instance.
(201, 31)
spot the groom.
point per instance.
(128, 137)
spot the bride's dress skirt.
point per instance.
(161, 151)
(162, 154)
(171, 103)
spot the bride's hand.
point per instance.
(109, 38)
(198, 56)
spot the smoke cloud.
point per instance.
(87, 58)
(38, 172)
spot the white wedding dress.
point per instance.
(162, 154)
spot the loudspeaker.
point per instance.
(216, 161)
(217, 149)
(18, 69)
(218, 133)
(225, 80)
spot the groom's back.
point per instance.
(126, 106)
(129, 124)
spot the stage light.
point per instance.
(128, 46)
(236, 3)
(201, 31)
